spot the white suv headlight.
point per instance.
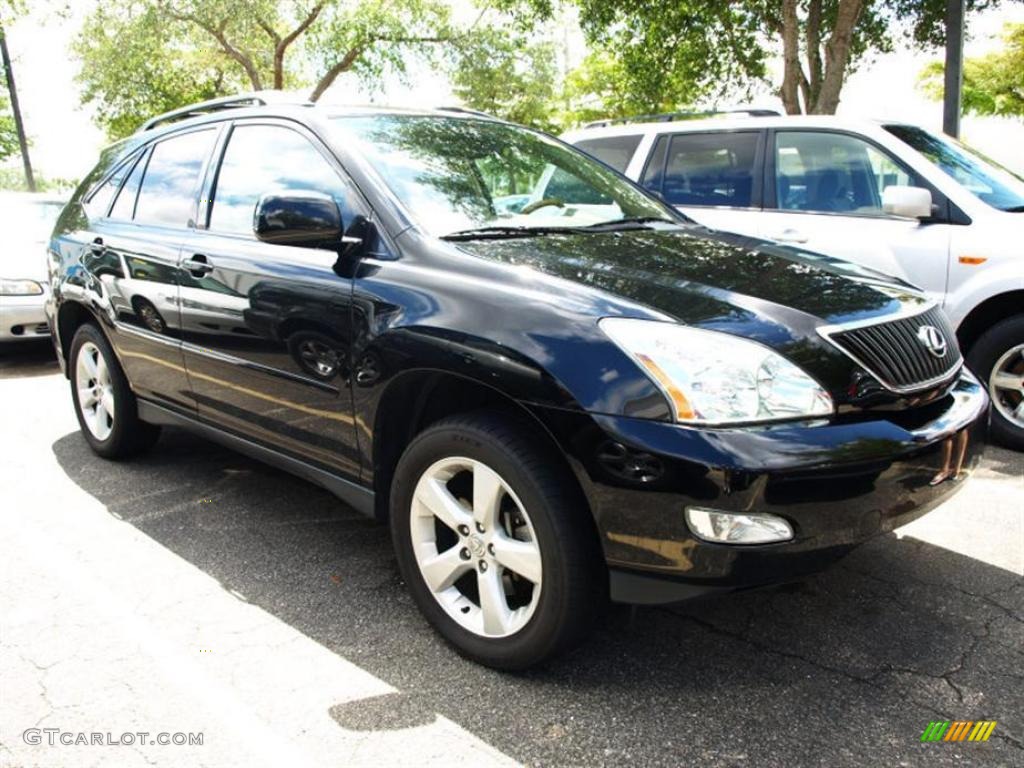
(716, 378)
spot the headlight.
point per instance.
(715, 378)
(20, 288)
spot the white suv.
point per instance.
(893, 197)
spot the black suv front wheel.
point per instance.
(491, 539)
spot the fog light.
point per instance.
(737, 528)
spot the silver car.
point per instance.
(26, 220)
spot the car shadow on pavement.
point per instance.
(24, 359)
(845, 668)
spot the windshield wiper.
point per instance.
(1015, 209)
(629, 222)
(481, 233)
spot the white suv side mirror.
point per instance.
(911, 202)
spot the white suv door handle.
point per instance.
(790, 236)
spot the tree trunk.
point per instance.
(837, 56)
(343, 65)
(792, 72)
(19, 126)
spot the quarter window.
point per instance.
(171, 181)
(124, 206)
(260, 159)
(99, 201)
(706, 169)
(833, 172)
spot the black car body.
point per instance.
(411, 329)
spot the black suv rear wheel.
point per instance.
(104, 404)
(494, 542)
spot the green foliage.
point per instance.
(141, 57)
(993, 84)
(8, 132)
(135, 63)
(504, 74)
(686, 51)
(13, 179)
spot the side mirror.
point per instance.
(909, 202)
(300, 218)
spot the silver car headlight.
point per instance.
(20, 288)
(716, 378)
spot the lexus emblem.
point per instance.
(932, 340)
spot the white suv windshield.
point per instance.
(985, 179)
(457, 176)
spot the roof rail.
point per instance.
(467, 111)
(668, 117)
(253, 99)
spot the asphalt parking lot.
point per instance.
(197, 590)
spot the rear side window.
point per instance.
(99, 201)
(124, 206)
(269, 158)
(615, 151)
(171, 181)
(707, 169)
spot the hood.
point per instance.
(773, 294)
(705, 278)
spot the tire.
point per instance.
(104, 403)
(539, 510)
(997, 357)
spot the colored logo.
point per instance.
(959, 730)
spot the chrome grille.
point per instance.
(894, 353)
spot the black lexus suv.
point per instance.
(552, 400)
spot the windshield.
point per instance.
(29, 220)
(459, 175)
(983, 178)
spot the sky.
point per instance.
(65, 141)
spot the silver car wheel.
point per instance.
(1006, 385)
(95, 391)
(476, 547)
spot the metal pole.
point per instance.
(18, 124)
(954, 67)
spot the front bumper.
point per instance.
(837, 485)
(22, 318)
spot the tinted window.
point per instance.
(124, 206)
(654, 173)
(99, 201)
(172, 179)
(455, 174)
(266, 158)
(833, 172)
(616, 151)
(710, 169)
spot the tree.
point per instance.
(502, 73)
(993, 84)
(713, 46)
(143, 56)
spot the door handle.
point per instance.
(790, 236)
(96, 247)
(198, 265)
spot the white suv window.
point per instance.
(832, 172)
(615, 151)
(704, 169)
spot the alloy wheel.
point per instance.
(476, 547)
(1006, 385)
(95, 391)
